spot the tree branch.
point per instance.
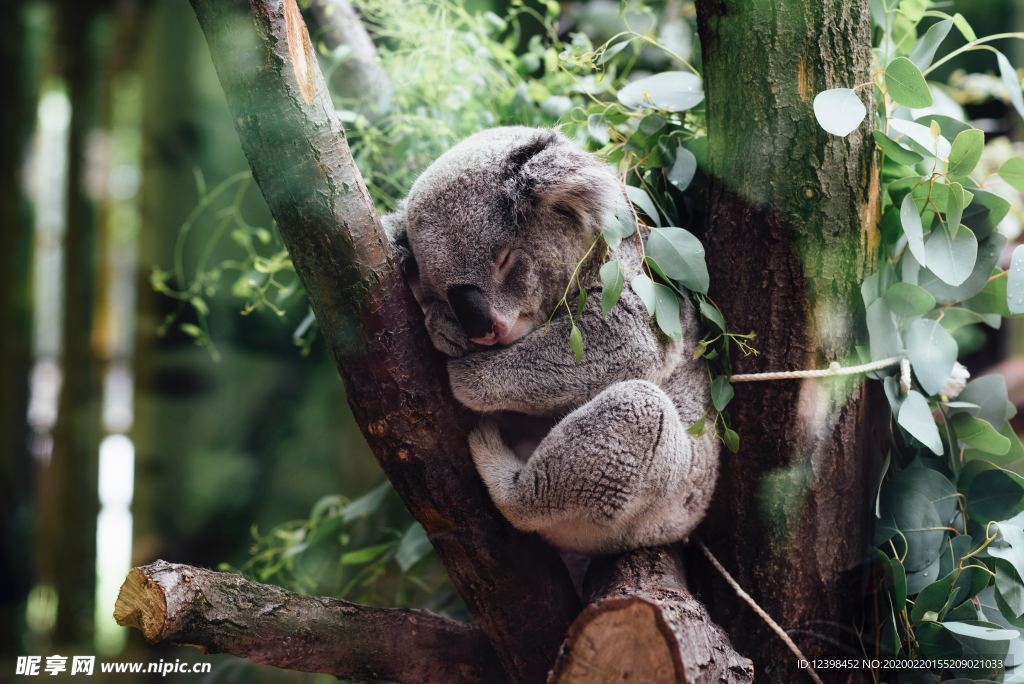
(641, 624)
(359, 77)
(514, 585)
(226, 613)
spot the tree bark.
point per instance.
(792, 230)
(641, 624)
(514, 585)
(226, 613)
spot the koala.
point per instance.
(594, 456)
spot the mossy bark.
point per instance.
(791, 222)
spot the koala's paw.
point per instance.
(445, 333)
(490, 453)
(468, 387)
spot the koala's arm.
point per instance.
(539, 375)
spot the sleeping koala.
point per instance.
(491, 233)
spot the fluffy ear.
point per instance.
(395, 227)
(550, 173)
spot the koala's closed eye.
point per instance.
(504, 262)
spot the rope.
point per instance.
(794, 649)
(833, 370)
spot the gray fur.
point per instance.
(617, 470)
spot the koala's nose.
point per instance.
(472, 310)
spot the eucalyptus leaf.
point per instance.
(916, 418)
(367, 504)
(839, 111)
(598, 128)
(932, 352)
(965, 153)
(922, 138)
(667, 311)
(883, 336)
(965, 28)
(895, 151)
(980, 630)
(642, 200)
(413, 547)
(576, 343)
(1012, 171)
(721, 392)
(912, 228)
(680, 256)
(924, 51)
(1015, 282)
(990, 394)
(683, 169)
(908, 301)
(671, 91)
(994, 495)
(958, 199)
(611, 285)
(906, 84)
(1011, 81)
(952, 258)
(644, 288)
(979, 434)
(711, 312)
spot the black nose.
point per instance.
(472, 310)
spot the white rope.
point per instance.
(833, 370)
(794, 649)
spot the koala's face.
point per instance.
(497, 224)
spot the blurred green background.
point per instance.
(137, 423)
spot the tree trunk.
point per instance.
(791, 216)
(515, 586)
(71, 502)
(226, 613)
(18, 70)
(642, 625)
(359, 79)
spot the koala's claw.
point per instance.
(487, 446)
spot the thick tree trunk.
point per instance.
(515, 586)
(642, 625)
(226, 613)
(18, 70)
(791, 217)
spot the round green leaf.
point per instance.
(671, 91)
(966, 152)
(907, 300)
(839, 111)
(1012, 171)
(952, 258)
(598, 128)
(906, 84)
(642, 200)
(993, 495)
(979, 434)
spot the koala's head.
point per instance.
(497, 224)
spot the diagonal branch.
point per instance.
(226, 613)
(515, 586)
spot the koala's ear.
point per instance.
(395, 227)
(550, 173)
